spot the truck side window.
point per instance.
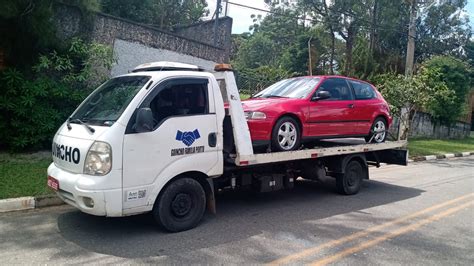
(179, 100)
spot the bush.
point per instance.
(32, 108)
(415, 94)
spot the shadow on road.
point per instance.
(239, 216)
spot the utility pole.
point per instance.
(411, 40)
(216, 22)
(310, 67)
(226, 6)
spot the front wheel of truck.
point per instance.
(180, 205)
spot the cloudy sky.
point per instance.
(240, 15)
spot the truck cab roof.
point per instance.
(165, 66)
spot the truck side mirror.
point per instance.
(321, 95)
(144, 120)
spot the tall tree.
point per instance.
(442, 30)
(160, 13)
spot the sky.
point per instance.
(240, 15)
(470, 12)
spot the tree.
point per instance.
(257, 51)
(456, 76)
(442, 30)
(164, 14)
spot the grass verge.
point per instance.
(24, 174)
(421, 147)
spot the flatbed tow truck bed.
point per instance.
(326, 148)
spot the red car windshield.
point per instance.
(290, 88)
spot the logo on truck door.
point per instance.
(187, 138)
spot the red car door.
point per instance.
(333, 116)
(366, 105)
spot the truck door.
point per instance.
(183, 138)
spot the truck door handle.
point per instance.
(351, 105)
(212, 139)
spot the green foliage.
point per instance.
(161, 13)
(255, 52)
(443, 30)
(456, 76)
(31, 109)
(402, 92)
(27, 29)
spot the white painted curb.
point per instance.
(450, 155)
(430, 157)
(466, 153)
(16, 204)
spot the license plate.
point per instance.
(53, 183)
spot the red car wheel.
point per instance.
(286, 135)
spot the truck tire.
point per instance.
(350, 182)
(180, 206)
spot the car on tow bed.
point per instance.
(302, 109)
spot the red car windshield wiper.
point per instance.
(275, 96)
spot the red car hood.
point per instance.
(258, 104)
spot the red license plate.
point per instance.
(53, 183)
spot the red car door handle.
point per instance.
(350, 105)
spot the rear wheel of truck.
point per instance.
(350, 182)
(181, 205)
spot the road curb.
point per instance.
(441, 156)
(28, 203)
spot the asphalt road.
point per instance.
(420, 214)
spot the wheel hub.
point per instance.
(287, 136)
(379, 130)
(181, 205)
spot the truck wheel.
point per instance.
(180, 206)
(286, 135)
(349, 183)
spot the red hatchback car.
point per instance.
(302, 109)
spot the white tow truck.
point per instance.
(160, 139)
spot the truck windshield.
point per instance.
(290, 88)
(106, 104)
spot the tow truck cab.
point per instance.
(135, 133)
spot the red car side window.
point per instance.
(363, 91)
(338, 88)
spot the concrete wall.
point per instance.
(424, 126)
(131, 54)
(193, 42)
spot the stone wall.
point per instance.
(424, 127)
(194, 41)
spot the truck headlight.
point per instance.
(249, 115)
(99, 159)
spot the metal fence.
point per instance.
(250, 85)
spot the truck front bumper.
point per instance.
(95, 202)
